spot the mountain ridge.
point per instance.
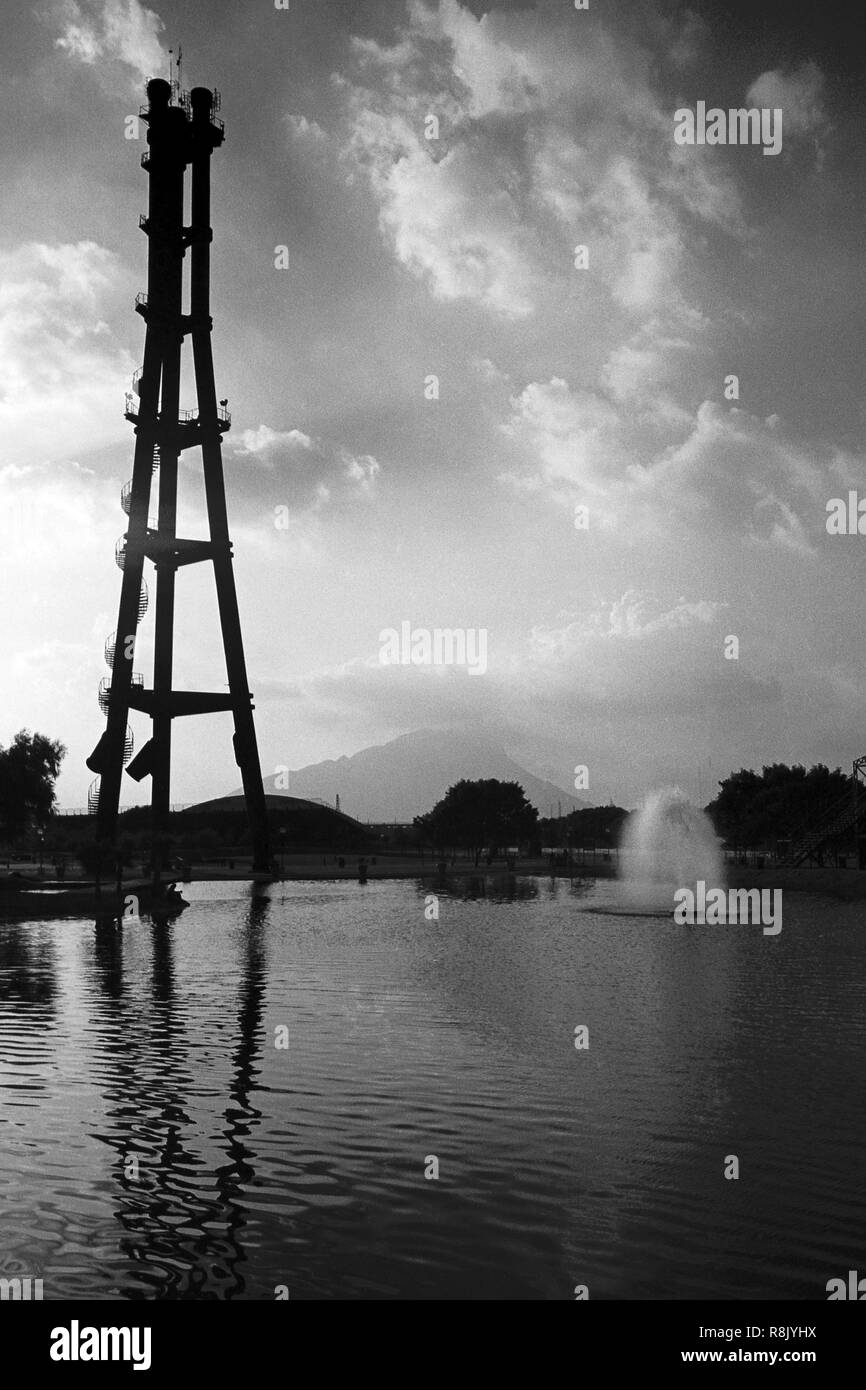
(406, 776)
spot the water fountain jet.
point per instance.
(668, 844)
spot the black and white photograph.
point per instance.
(432, 719)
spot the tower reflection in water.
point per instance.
(182, 1220)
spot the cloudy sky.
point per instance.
(600, 387)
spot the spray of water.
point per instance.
(668, 844)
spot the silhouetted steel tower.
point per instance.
(180, 134)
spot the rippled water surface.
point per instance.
(155, 1142)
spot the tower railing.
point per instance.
(131, 409)
(193, 417)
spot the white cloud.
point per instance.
(550, 136)
(646, 370)
(782, 526)
(800, 94)
(309, 469)
(265, 442)
(572, 434)
(62, 372)
(739, 465)
(306, 131)
(720, 468)
(800, 97)
(631, 616)
(124, 31)
(660, 665)
(58, 526)
(488, 371)
(46, 509)
(453, 222)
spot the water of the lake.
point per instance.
(155, 1142)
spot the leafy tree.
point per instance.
(756, 810)
(473, 815)
(29, 768)
(206, 842)
(589, 826)
(96, 859)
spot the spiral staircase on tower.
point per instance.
(104, 694)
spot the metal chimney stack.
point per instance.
(182, 131)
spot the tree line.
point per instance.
(751, 809)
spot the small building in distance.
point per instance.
(298, 823)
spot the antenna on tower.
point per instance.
(179, 61)
(170, 67)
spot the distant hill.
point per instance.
(406, 777)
